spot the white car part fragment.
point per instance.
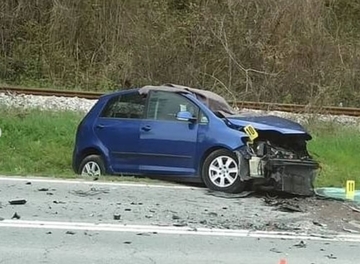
(256, 167)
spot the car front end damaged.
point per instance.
(277, 162)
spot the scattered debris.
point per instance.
(92, 192)
(143, 234)
(58, 202)
(213, 214)
(117, 216)
(49, 233)
(331, 256)
(284, 205)
(290, 208)
(319, 224)
(301, 244)
(15, 216)
(148, 216)
(203, 222)
(49, 193)
(17, 201)
(43, 189)
(175, 217)
(275, 250)
(354, 209)
(127, 209)
(70, 232)
(180, 224)
(133, 203)
(127, 242)
(28, 183)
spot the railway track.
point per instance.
(293, 108)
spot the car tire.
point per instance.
(92, 166)
(220, 172)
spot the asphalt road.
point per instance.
(74, 222)
(22, 245)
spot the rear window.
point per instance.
(130, 105)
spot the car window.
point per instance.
(203, 118)
(130, 105)
(165, 106)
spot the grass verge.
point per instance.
(40, 143)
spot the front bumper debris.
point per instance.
(293, 176)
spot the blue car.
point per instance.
(193, 135)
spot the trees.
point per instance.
(269, 50)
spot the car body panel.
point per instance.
(268, 122)
(167, 147)
(121, 138)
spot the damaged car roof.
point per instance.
(218, 104)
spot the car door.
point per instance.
(167, 145)
(118, 130)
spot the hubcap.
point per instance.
(91, 169)
(223, 171)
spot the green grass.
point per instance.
(37, 142)
(40, 143)
(337, 149)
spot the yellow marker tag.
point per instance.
(350, 190)
(251, 132)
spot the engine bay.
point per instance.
(279, 162)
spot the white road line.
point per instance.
(172, 230)
(71, 181)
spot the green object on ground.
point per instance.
(336, 193)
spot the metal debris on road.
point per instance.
(17, 202)
(92, 192)
(180, 224)
(275, 250)
(43, 189)
(331, 256)
(15, 216)
(58, 202)
(70, 233)
(319, 224)
(175, 217)
(117, 216)
(301, 244)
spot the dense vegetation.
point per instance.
(270, 50)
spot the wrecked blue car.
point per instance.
(182, 133)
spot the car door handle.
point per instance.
(146, 128)
(100, 126)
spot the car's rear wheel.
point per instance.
(92, 167)
(220, 172)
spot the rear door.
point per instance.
(118, 130)
(167, 145)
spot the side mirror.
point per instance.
(185, 116)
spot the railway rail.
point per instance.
(293, 108)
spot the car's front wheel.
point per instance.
(220, 172)
(92, 167)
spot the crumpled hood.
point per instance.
(269, 122)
